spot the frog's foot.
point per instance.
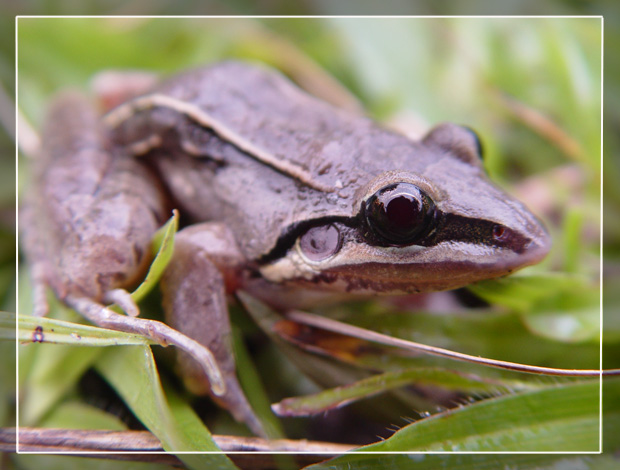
(123, 299)
(194, 299)
(154, 330)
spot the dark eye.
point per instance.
(399, 214)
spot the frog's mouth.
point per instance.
(439, 268)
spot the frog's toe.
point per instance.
(235, 401)
(123, 299)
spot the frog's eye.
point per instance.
(461, 141)
(399, 214)
(477, 142)
(321, 242)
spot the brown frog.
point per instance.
(291, 199)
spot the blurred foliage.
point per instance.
(531, 89)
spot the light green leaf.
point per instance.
(78, 415)
(531, 293)
(163, 247)
(50, 330)
(560, 306)
(54, 371)
(567, 326)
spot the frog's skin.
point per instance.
(286, 192)
(275, 161)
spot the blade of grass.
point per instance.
(560, 418)
(50, 330)
(132, 373)
(163, 247)
(54, 372)
(467, 462)
(74, 414)
(446, 379)
(255, 390)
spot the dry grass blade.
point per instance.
(361, 333)
(543, 125)
(134, 444)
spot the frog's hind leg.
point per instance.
(194, 298)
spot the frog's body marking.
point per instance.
(292, 193)
(200, 117)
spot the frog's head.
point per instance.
(440, 228)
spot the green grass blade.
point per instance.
(380, 383)
(54, 372)
(563, 418)
(50, 330)
(468, 462)
(163, 246)
(251, 381)
(74, 414)
(133, 374)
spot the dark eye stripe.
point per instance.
(453, 227)
(449, 227)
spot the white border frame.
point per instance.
(85, 453)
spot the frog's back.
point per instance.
(306, 160)
(264, 107)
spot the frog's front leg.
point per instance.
(206, 265)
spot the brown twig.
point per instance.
(249, 453)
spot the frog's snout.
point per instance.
(538, 246)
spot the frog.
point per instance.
(296, 202)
